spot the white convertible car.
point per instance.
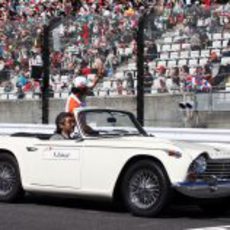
(118, 161)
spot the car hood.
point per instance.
(149, 143)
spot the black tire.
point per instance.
(10, 182)
(145, 188)
(215, 207)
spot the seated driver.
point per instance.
(65, 124)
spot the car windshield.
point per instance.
(105, 123)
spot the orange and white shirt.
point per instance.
(72, 103)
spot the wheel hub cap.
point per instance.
(144, 189)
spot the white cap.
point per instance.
(80, 82)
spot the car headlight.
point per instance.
(198, 166)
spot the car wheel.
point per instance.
(215, 207)
(145, 189)
(10, 184)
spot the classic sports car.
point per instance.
(117, 160)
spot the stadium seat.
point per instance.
(175, 47)
(159, 47)
(166, 48)
(168, 40)
(106, 85)
(174, 55)
(102, 93)
(205, 53)
(182, 62)
(12, 96)
(29, 95)
(36, 96)
(153, 90)
(120, 75)
(4, 96)
(193, 62)
(171, 63)
(203, 61)
(200, 22)
(225, 60)
(185, 46)
(225, 42)
(64, 94)
(217, 44)
(184, 54)
(57, 94)
(226, 35)
(195, 53)
(164, 55)
(152, 64)
(161, 62)
(217, 36)
(132, 65)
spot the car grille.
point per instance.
(218, 168)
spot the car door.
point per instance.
(55, 163)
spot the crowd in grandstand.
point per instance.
(102, 32)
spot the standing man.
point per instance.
(80, 90)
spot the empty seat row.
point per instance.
(188, 54)
(212, 36)
(172, 47)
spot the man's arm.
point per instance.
(99, 75)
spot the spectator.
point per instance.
(195, 41)
(214, 63)
(186, 79)
(130, 84)
(20, 94)
(161, 79)
(8, 86)
(148, 80)
(35, 64)
(200, 84)
(119, 85)
(208, 73)
(152, 52)
(22, 80)
(175, 78)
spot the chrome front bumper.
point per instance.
(204, 189)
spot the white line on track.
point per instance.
(225, 227)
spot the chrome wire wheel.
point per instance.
(144, 189)
(7, 178)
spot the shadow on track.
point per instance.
(173, 211)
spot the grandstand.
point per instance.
(183, 35)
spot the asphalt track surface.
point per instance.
(42, 212)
